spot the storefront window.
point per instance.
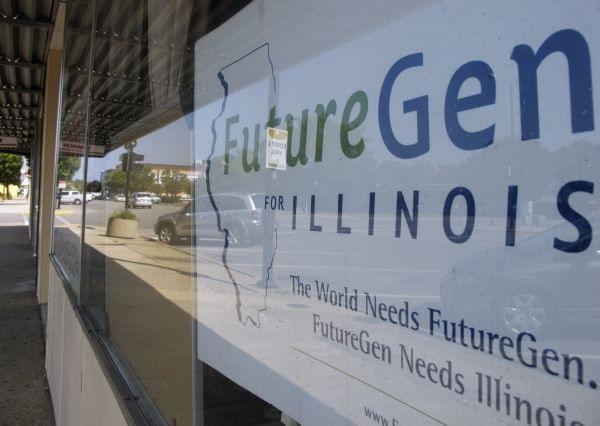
(139, 268)
(418, 243)
(340, 212)
(70, 184)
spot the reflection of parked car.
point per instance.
(155, 198)
(73, 197)
(185, 197)
(140, 199)
(530, 287)
(239, 215)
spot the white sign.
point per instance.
(62, 184)
(276, 148)
(8, 142)
(430, 255)
(77, 148)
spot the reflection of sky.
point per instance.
(168, 145)
(361, 64)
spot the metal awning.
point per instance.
(143, 65)
(25, 33)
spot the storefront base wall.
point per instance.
(81, 393)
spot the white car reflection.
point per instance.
(530, 287)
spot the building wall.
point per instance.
(81, 393)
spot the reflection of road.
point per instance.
(377, 263)
(98, 212)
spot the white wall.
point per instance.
(80, 391)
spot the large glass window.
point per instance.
(340, 212)
(131, 103)
(423, 251)
(70, 179)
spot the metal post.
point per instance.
(130, 146)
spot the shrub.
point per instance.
(123, 214)
(169, 199)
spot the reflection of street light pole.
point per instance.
(129, 146)
(59, 191)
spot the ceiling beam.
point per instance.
(19, 108)
(24, 91)
(26, 23)
(132, 40)
(17, 63)
(144, 81)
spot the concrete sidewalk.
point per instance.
(24, 397)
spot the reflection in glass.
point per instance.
(70, 180)
(139, 255)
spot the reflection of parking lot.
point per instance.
(98, 212)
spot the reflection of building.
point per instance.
(159, 169)
(25, 180)
(103, 181)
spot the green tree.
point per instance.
(115, 181)
(66, 167)
(78, 184)
(142, 179)
(175, 182)
(10, 170)
(94, 186)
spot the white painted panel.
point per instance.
(80, 391)
(71, 369)
(54, 339)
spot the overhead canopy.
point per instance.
(25, 32)
(142, 68)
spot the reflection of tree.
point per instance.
(78, 184)
(335, 171)
(66, 167)
(10, 170)
(115, 181)
(94, 186)
(175, 182)
(537, 170)
(582, 156)
(142, 179)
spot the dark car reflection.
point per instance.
(239, 214)
(530, 287)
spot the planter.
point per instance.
(122, 228)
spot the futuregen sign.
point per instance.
(568, 42)
(382, 299)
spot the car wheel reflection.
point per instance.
(524, 312)
(166, 234)
(236, 236)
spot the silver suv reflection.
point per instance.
(239, 215)
(141, 199)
